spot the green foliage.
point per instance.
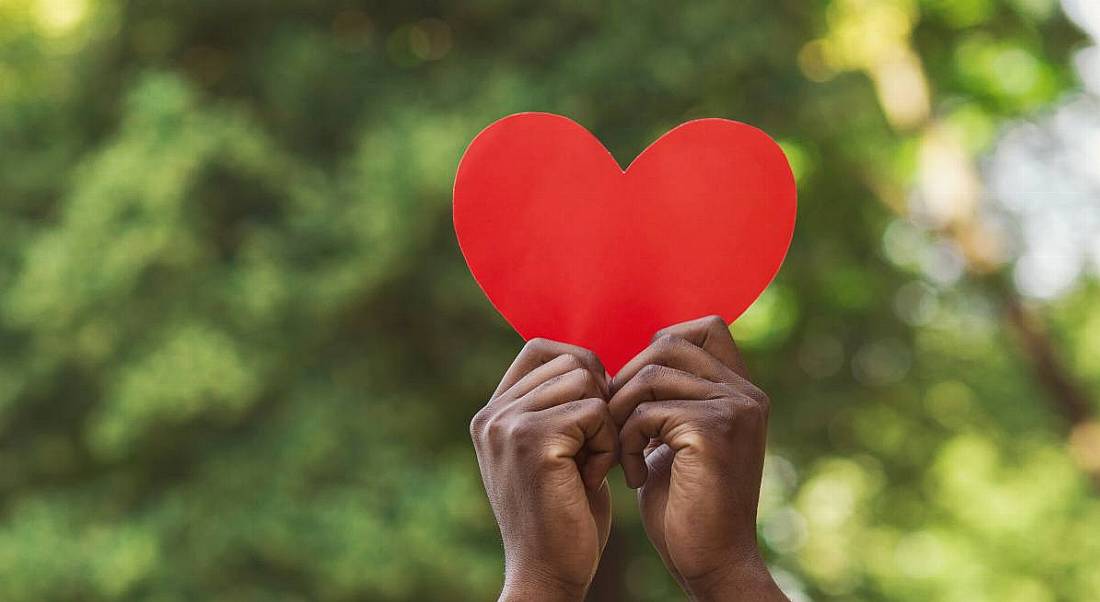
(239, 348)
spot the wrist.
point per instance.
(746, 580)
(538, 586)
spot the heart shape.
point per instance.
(569, 246)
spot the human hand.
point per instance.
(693, 430)
(545, 442)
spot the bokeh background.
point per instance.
(239, 348)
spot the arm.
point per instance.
(544, 443)
(693, 431)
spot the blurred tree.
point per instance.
(239, 349)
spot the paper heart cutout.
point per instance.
(569, 246)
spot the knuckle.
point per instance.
(477, 424)
(514, 434)
(723, 418)
(762, 408)
(579, 376)
(650, 373)
(520, 428)
(758, 397)
(571, 361)
(494, 429)
(713, 414)
(714, 321)
(667, 342)
(639, 412)
(716, 329)
(583, 382)
(747, 410)
(537, 345)
(593, 408)
(589, 357)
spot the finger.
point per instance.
(537, 352)
(571, 386)
(563, 364)
(653, 500)
(676, 352)
(587, 423)
(658, 383)
(651, 421)
(712, 334)
(603, 447)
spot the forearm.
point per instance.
(525, 582)
(528, 588)
(752, 582)
(527, 594)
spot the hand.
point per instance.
(545, 442)
(692, 438)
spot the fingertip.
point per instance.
(613, 384)
(634, 470)
(605, 386)
(596, 469)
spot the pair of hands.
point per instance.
(686, 425)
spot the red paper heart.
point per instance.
(569, 246)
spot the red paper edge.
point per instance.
(794, 191)
(458, 170)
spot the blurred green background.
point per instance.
(239, 348)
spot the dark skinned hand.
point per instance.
(692, 437)
(545, 442)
